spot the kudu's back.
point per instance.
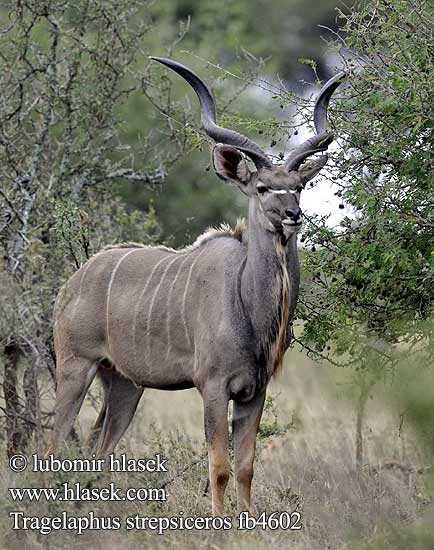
(145, 309)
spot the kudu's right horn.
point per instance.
(323, 138)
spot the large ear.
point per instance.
(230, 165)
(310, 169)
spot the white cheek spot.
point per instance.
(278, 191)
(293, 191)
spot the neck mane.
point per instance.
(269, 290)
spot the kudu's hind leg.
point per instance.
(216, 433)
(122, 400)
(245, 423)
(105, 377)
(74, 376)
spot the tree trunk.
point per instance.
(12, 402)
(31, 419)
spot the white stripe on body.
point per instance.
(136, 312)
(185, 296)
(169, 297)
(109, 291)
(151, 307)
(89, 262)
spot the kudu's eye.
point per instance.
(261, 189)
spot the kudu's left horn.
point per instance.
(208, 116)
(323, 137)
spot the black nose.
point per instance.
(293, 213)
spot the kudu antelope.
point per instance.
(215, 315)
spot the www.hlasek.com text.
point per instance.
(92, 522)
(75, 492)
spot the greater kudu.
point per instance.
(215, 315)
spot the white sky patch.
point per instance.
(321, 199)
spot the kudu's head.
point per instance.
(275, 187)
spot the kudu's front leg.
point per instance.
(245, 423)
(216, 433)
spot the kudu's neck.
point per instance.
(269, 288)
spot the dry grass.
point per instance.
(309, 467)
